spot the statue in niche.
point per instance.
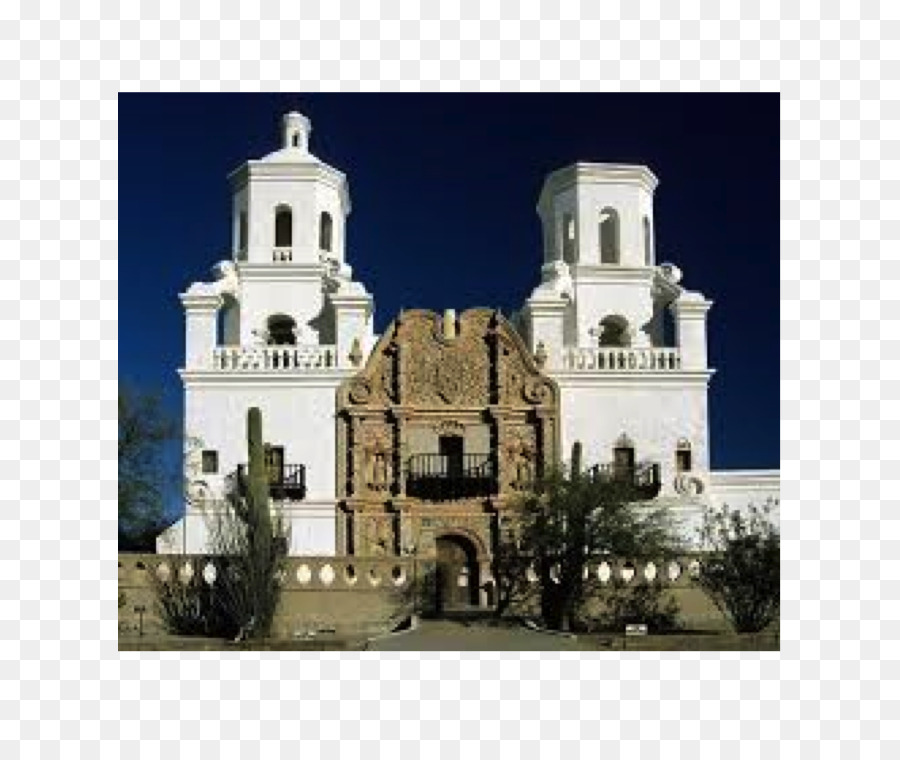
(380, 536)
(521, 456)
(379, 470)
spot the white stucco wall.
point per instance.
(280, 289)
(625, 292)
(298, 416)
(655, 415)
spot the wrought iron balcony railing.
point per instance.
(644, 477)
(440, 476)
(285, 482)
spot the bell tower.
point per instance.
(599, 259)
(289, 215)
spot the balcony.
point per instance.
(644, 478)
(274, 358)
(285, 482)
(442, 477)
(609, 359)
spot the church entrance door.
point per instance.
(457, 574)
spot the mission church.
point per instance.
(416, 441)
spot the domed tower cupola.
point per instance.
(295, 131)
(599, 215)
(289, 207)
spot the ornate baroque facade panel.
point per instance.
(454, 406)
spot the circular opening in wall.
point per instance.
(186, 573)
(139, 566)
(326, 575)
(209, 573)
(627, 572)
(694, 568)
(350, 575)
(163, 572)
(604, 572)
(531, 575)
(650, 571)
(674, 571)
(398, 575)
(374, 578)
(304, 574)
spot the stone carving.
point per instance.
(378, 450)
(418, 384)
(537, 391)
(380, 536)
(520, 452)
(360, 390)
(688, 484)
(449, 427)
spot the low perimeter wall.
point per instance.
(353, 596)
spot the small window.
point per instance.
(683, 459)
(325, 229)
(296, 140)
(210, 462)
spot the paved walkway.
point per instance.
(433, 635)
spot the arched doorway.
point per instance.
(457, 573)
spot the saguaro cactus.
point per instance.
(259, 525)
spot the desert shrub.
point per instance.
(742, 572)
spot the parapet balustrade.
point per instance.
(274, 358)
(612, 359)
(282, 254)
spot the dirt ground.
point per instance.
(447, 635)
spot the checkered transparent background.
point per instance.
(65, 689)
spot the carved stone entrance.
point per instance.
(457, 574)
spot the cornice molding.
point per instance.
(587, 173)
(611, 272)
(280, 271)
(580, 379)
(330, 378)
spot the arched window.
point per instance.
(614, 331)
(648, 243)
(325, 228)
(284, 227)
(242, 232)
(623, 457)
(683, 461)
(568, 239)
(609, 236)
(282, 330)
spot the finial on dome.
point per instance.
(295, 130)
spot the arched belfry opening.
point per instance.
(284, 227)
(648, 242)
(614, 332)
(281, 330)
(325, 231)
(609, 236)
(568, 239)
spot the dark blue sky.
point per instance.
(444, 189)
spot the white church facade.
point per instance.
(365, 430)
